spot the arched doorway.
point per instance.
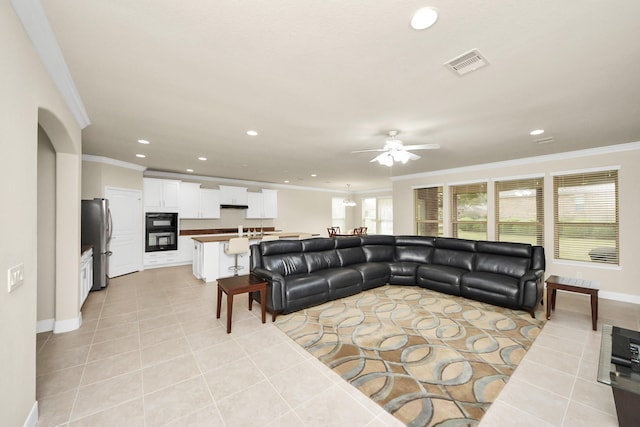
(60, 245)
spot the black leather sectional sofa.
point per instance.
(304, 273)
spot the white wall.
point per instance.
(46, 229)
(28, 97)
(616, 283)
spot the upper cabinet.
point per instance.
(161, 195)
(196, 202)
(209, 203)
(263, 204)
(236, 196)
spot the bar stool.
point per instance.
(236, 246)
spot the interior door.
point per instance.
(126, 239)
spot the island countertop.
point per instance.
(282, 235)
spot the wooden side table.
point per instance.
(235, 285)
(581, 286)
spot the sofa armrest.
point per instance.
(531, 284)
(275, 287)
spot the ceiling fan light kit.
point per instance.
(393, 151)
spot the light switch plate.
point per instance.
(15, 277)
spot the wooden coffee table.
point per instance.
(239, 285)
(581, 286)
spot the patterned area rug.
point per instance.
(428, 358)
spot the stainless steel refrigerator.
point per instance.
(96, 231)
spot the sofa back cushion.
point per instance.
(318, 244)
(523, 250)
(453, 258)
(285, 264)
(350, 256)
(284, 257)
(378, 253)
(378, 247)
(321, 260)
(413, 249)
(502, 264)
(511, 259)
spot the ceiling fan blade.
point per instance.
(368, 151)
(422, 147)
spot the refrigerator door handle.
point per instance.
(109, 226)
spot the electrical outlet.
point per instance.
(15, 276)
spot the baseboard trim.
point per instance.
(67, 325)
(32, 418)
(45, 325)
(616, 296)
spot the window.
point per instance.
(338, 216)
(520, 211)
(429, 213)
(586, 217)
(377, 215)
(469, 211)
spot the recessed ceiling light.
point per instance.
(143, 141)
(189, 170)
(252, 133)
(536, 132)
(314, 175)
(424, 18)
(202, 158)
(286, 181)
(142, 156)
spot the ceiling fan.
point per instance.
(394, 151)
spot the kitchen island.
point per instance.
(210, 262)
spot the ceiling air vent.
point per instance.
(545, 140)
(467, 62)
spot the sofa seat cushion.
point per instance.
(402, 273)
(493, 288)
(341, 281)
(304, 290)
(373, 274)
(441, 278)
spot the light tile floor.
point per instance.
(150, 352)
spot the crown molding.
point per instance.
(609, 149)
(35, 22)
(113, 162)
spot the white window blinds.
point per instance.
(520, 211)
(586, 217)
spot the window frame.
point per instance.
(458, 189)
(594, 177)
(535, 183)
(438, 221)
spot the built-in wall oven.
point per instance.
(161, 231)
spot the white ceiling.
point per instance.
(320, 78)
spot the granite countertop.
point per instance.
(208, 239)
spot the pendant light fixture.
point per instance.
(348, 201)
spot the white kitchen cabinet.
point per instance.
(205, 260)
(233, 195)
(210, 262)
(209, 203)
(161, 195)
(263, 204)
(185, 249)
(161, 259)
(86, 274)
(189, 200)
(198, 203)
